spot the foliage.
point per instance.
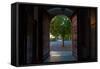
(60, 26)
(52, 39)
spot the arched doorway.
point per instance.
(58, 53)
(60, 33)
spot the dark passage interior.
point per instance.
(33, 36)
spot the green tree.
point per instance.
(60, 26)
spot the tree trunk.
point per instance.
(62, 41)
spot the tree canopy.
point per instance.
(60, 25)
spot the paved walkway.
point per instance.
(59, 53)
(59, 43)
(57, 46)
(58, 56)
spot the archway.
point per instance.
(60, 39)
(59, 53)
